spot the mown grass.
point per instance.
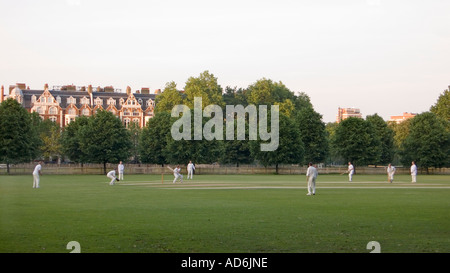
(224, 213)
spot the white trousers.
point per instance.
(350, 176)
(120, 176)
(413, 177)
(178, 176)
(113, 179)
(311, 185)
(391, 177)
(35, 180)
(190, 173)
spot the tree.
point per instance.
(386, 137)
(442, 106)
(51, 142)
(19, 141)
(206, 87)
(237, 151)
(235, 96)
(313, 134)
(401, 131)
(428, 142)
(267, 92)
(71, 140)
(199, 151)
(154, 139)
(168, 98)
(333, 155)
(355, 141)
(105, 139)
(290, 149)
(135, 137)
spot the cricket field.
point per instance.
(224, 214)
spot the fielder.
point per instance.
(351, 171)
(112, 176)
(413, 172)
(311, 174)
(177, 174)
(36, 174)
(120, 168)
(190, 169)
(390, 171)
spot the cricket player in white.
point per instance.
(351, 171)
(390, 171)
(120, 168)
(176, 173)
(311, 174)
(190, 169)
(413, 172)
(36, 174)
(112, 176)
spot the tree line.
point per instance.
(303, 136)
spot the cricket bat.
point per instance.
(169, 168)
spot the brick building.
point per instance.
(344, 113)
(405, 116)
(63, 104)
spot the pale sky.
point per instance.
(385, 57)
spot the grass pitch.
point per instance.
(224, 214)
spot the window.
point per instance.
(54, 119)
(72, 111)
(71, 100)
(53, 111)
(40, 110)
(111, 101)
(33, 98)
(85, 112)
(84, 100)
(58, 99)
(126, 122)
(98, 101)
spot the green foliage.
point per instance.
(237, 151)
(442, 106)
(199, 151)
(355, 141)
(313, 134)
(205, 86)
(154, 139)
(19, 140)
(105, 139)
(51, 147)
(428, 142)
(168, 98)
(290, 150)
(386, 138)
(71, 140)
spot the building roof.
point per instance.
(78, 95)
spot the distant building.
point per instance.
(63, 104)
(344, 113)
(406, 115)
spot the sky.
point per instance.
(384, 57)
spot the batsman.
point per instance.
(177, 174)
